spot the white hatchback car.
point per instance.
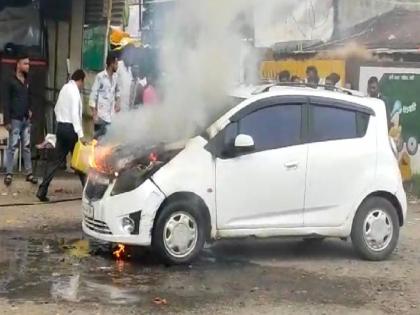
(287, 162)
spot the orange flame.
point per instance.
(97, 159)
(119, 252)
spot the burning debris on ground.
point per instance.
(119, 252)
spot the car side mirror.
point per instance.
(244, 144)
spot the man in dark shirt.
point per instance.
(17, 118)
(374, 91)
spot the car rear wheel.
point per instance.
(375, 230)
(179, 233)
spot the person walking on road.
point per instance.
(68, 113)
(105, 96)
(17, 118)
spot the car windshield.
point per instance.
(229, 103)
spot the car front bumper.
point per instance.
(102, 219)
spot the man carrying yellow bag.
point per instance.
(68, 113)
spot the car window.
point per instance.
(273, 127)
(331, 123)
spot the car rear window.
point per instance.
(331, 123)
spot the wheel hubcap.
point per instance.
(378, 230)
(412, 144)
(180, 234)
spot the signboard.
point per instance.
(401, 88)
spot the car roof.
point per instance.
(252, 93)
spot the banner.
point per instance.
(400, 88)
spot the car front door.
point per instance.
(264, 188)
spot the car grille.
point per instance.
(97, 226)
(95, 191)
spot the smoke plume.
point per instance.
(351, 50)
(198, 58)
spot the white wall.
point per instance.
(290, 20)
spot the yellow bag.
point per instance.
(83, 156)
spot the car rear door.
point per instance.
(341, 160)
(264, 188)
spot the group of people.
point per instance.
(312, 78)
(104, 101)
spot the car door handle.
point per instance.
(291, 165)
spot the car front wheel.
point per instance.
(179, 233)
(375, 230)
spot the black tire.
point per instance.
(357, 233)
(185, 206)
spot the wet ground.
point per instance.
(46, 267)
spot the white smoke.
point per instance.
(199, 61)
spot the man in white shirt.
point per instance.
(68, 113)
(105, 96)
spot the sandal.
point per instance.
(31, 179)
(8, 179)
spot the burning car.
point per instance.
(289, 161)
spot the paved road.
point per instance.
(46, 268)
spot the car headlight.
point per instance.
(131, 178)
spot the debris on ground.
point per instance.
(78, 249)
(159, 301)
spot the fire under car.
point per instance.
(285, 161)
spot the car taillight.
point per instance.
(393, 147)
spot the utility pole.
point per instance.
(336, 18)
(140, 16)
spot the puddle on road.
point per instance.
(46, 271)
